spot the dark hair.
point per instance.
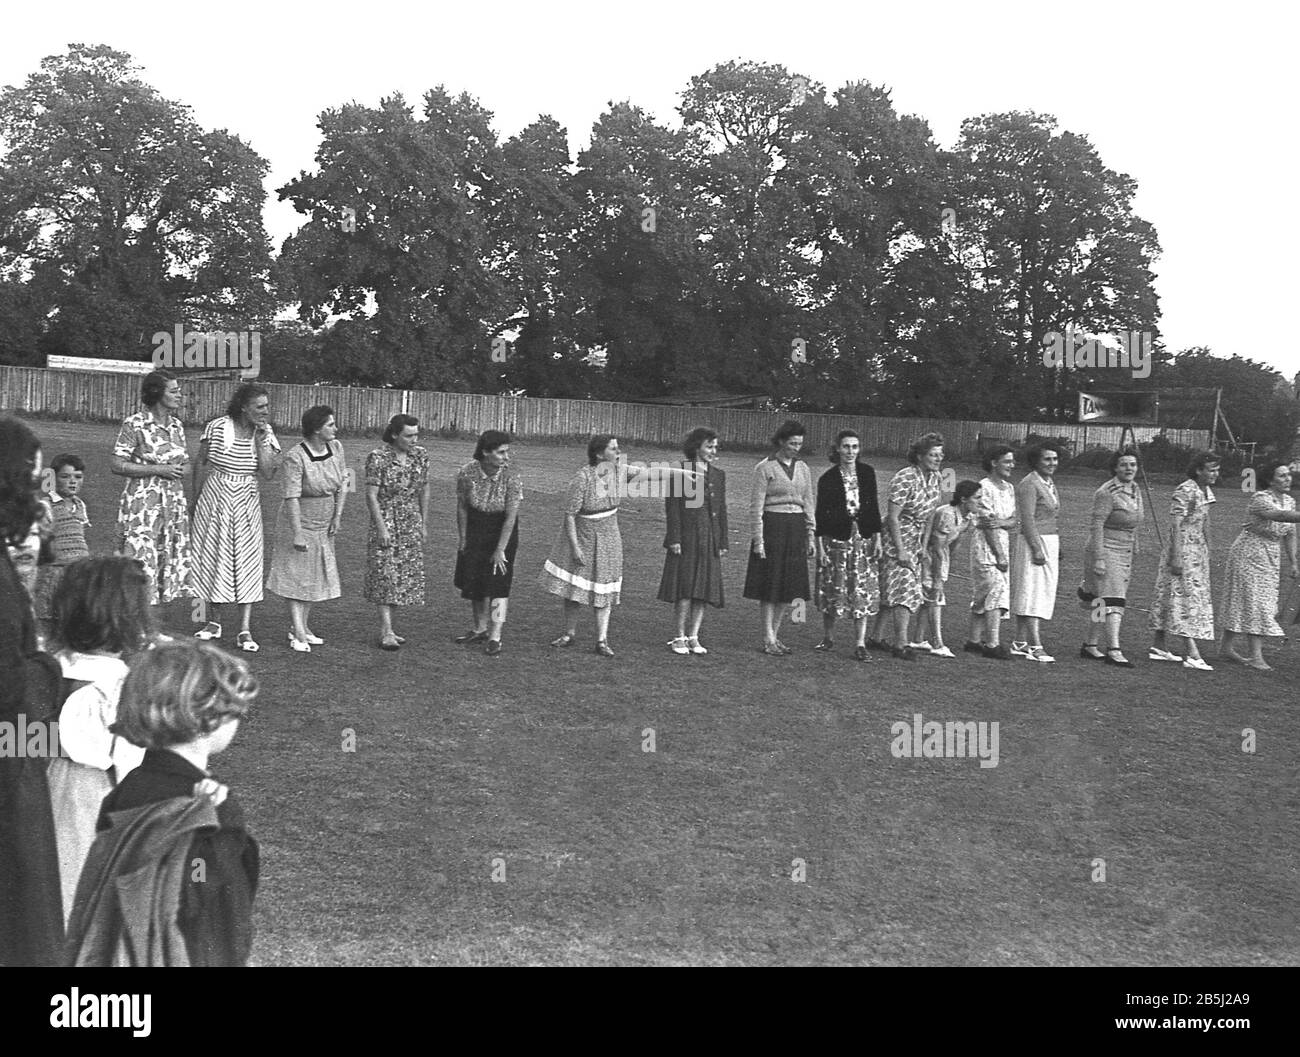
(180, 690)
(922, 444)
(696, 439)
(314, 418)
(1201, 460)
(789, 428)
(598, 443)
(68, 459)
(994, 454)
(245, 394)
(1114, 459)
(396, 424)
(839, 439)
(490, 440)
(963, 491)
(1265, 478)
(154, 387)
(102, 604)
(19, 507)
(1035, 453)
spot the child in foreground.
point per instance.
(946, 527)
(169, 827)
(67, 524)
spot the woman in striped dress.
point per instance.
(227, 522)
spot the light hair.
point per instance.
(179, 691)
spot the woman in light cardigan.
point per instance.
(783, 524)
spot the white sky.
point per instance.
(1187, 98)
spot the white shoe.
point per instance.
(682, 646)
(301, 645)
(1154, 654)
(314, 639)
(206, 633)
(1020, 649)
(1197, 663)
(696, 648)
(942, 651)
(1036, 653)
(921, 647)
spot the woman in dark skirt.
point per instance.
(782, 533)
(696, 541)
(488, 495)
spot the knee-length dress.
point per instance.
(316, 481)
(1182, 604)
(1251, 580)
(227, 554)
(991, 586)
(916, 493)
(485, 499)
(152, 520)
(598, 579)
(701, 531)
(1033, 586)
(395, 574)
(69, 521)
(1117, 511)
(848, 517)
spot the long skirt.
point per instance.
(474, 574)
(311, 575)
(1250, 586)
(226, 540)
(781, 576)
(1182, 605)
(696, 573)
(1112, 586)
(848, 582)
(598, 579)
(1033, 587)
(76, 792)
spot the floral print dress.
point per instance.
(395, 574)
(152, 521)
(1182, 604)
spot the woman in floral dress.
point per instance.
(1250, 583)
(153, 523)
(913, 497)
(397, 495)
(1182, 605)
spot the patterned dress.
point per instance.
(848, 581)
(916, 493)
(315, 481)
(485, 500)
(991, 586)
(598, 579)
(1182, 604)
(395, 574)
(153, 525)
(227, 555)
(69, 522)
(946, 528)
(1250, 583)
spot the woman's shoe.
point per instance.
(974, 647)
(1156, 654)
(773, 650)
(783, 647)
(1037, 653)
(827, 644)
(921, 647)
(493, 647)
(1000, 652)
(206, 633)
(860, 654)
(470, 637)
(313, 639)
(694, 641)
(1115, 656)
(680, 646)
(1089, 652)
(244, 640)
(942, 651)
(602, 648)
(904, 653)
(564, 641)
(400, 640)
(1198, 663)
(390, 642)
(879, 645)
(301, 645)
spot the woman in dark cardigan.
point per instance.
(696, 540)
(848, 543)
(31, 921)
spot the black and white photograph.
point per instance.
(693, 485)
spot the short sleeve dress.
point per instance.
(598, 579)
(917, 494)
(1182, 604)
(991, 586)
(395, 574)
(1253, 575)
(485, 499)
(152, 522)
(315, 481)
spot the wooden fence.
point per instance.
(111, 397)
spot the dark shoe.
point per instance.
(860, 654)
(470, 637)
(975, 647)
(904, 653)
(825, 644)
(876, 644)
(602, 647)
(1121, 662)
(996, 653)
(1090, 652)
(493, 647)
(564, 640)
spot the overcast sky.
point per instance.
(1188, 99)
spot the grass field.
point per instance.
(385, 855)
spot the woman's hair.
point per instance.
(789, 428)
(154, 387)
(1201, 460)
(314, 418)
(19, 507)
(68, 459)
(180, 690)
(102, 605)
(994, 454)
(1114, 459)
(244, 395)
(963, 491)
(396, 424)
(596, 445)
(1265, 478)
(490, 440)
(1034, 454)
(839, 439)
(696, 439)
(922, 444)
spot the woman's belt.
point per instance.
(597, 515)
